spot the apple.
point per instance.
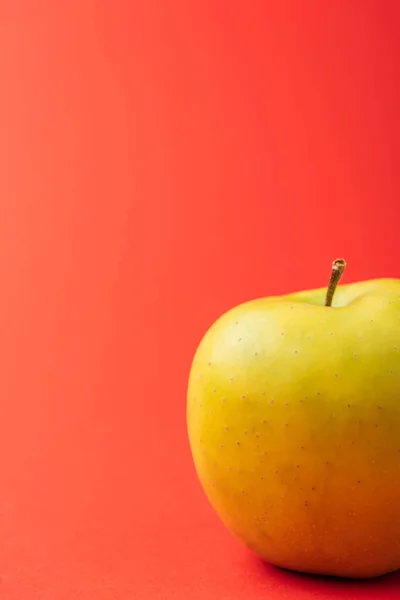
(293, 417)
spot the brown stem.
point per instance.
(338, 267)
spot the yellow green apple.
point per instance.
(293, 415)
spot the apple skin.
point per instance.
(293, 416)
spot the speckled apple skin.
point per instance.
(293, 415)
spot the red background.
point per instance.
(161, 162)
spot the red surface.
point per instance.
(159, 163)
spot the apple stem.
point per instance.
(338, 267)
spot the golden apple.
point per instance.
(293, 415)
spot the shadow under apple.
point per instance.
(301, 586)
